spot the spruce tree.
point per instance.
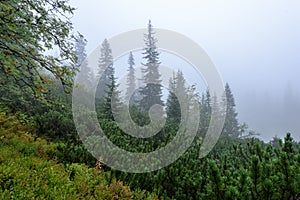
(86, 75)
(152, 92)
(105, 68)
(181, 88)
(107, 88)
(178, 91)
(80, 51)
(131, 79)
(173, 105)
(111, 98)
(205, 112)
(231, 126)
(288, 144)
(215, 104)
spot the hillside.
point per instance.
(30, 169)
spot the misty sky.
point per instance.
(254, 44)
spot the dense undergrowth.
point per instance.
(30, 167)
(53, 165)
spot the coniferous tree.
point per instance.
(86, 75)
(107, 92)
(207, 103)
(131, 79)
(217, 112)
(111, 98)
(288, 144)
(181, 84)
(215, 103)
(231, 126)
(105, 68)
(205, 112)
(152, 92)
(80, 51)
(172, 102)
(276, 142)
(178, 91)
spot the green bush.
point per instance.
(56, 124)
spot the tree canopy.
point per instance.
(152, 92)
(29, 29)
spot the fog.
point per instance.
(254, 44)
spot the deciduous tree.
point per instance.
(30, 28)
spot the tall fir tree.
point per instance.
(131, 79)
(86, 75)
(215, 104)
(177, 91)
(111, 98)
(152, 92)
(80, 51)
(172, 104)
(105, 68)
(231, 126)
(205, 112)
(107, 90)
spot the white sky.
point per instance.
(254, 43)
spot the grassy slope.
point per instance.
(28, 169)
